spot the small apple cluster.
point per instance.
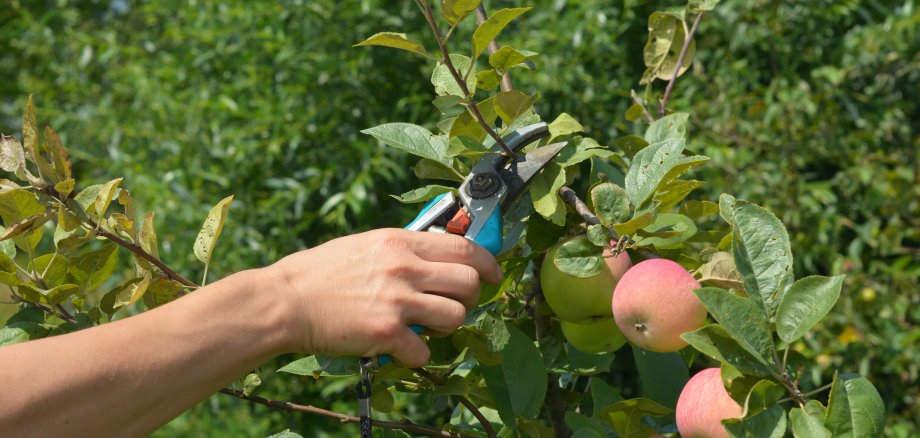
(649, 304)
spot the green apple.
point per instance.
(703, 404)
(654, 304)
(581, 300)
(594, 337)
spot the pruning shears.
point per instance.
(495, 183)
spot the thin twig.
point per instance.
(293, 407)
(470, 103)
(809, 393)
(680, 62)
(490, 431)
(638, 101)
(50, 310)
(571, 198)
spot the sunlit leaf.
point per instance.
(396, 41)
(490, 29)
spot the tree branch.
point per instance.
(293, 407)
(470, 103)
(680, 62)
(571, 198)
(134, 248)
(490, 431)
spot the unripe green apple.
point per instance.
(594, 337)
(581, 300)
(654, 304)
(703, 404)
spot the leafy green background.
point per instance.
(808, 108)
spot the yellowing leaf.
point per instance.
(210, 231)
(455, 10)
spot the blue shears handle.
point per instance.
(490, 238)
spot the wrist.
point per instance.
(270, 300)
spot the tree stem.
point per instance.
(571, 198)
(680, 62)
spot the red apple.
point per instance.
(653, 304)
(703, 404)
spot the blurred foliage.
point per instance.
(809, 108)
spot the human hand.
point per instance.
(357, 295)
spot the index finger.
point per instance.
(451, 248)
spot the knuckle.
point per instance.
(391, 238)
(384, 329)
(401, 270)
(462, 247)
(455, 315)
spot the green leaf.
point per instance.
(466, 124)
(422, 194)
(669, 126)
(487, 31)
(544, 193)
(742, 319)
(564, 124)
(581, 149)
(855, 408)
(714, 341)
(634, 112)
(762, 254)
(583, 364)
(806, 302)
(668, 231)
(512, 104)
(611, 204)
(727, 208)
(450, 106)
(506, 58)
(666, 35)
(720, 271)
(413, 139)
(59, 294)
(670, 194)
(625, 417)
(702, 5)
(635, 224)
(161, 291)
(285, 434)
(542, 234)
(89, 270)
(87, 198)
(487, 79)
(770, 423)
(473, 339)
(105, 196)
(809, 422)
(762, 397)
(381, 398)
(455, 10)
(431, 169)
(210, 231)
(320, 365)
(65, 187)
(630, 144)
(53, 267)
(603, 395)
(663, 375)
(534, 429)
(599, 235)
(495, 330)
(697, 210)
(737, 384)
(518, 384)
(445, 83)
(579, 258)
(649, 167)
(394, 40)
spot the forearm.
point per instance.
(128, 377)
